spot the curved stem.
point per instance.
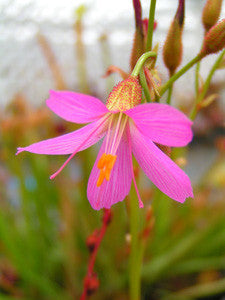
(141, 62)
(206, 85)
(151, 25)
(177, 75)
(145, 86)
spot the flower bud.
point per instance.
(172, 50)
(140, 36)
(138, 43)
(211, 13)
(214, 40)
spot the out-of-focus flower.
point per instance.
(129, 127)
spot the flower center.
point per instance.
(116, 127)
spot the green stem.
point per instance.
(170, 91)
(135, 266)
(206, 84)
(197, 77)
(141, 62)
(177, 75)
(151, 25)
(145, 86)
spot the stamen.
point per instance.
(101, 161)
(117, 130)
(108, 133)
(100, 178)
(105, 164)
(120, 134)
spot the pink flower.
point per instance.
(129, 127)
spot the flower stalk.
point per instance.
(135, 263)
(144, 86)
(91, 281)
(140, 63)
(197, 70)
(201, 96)
(151, 25)
(177, 75)
(170, 91)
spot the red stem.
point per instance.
(90, 271)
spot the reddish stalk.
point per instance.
(91, 282)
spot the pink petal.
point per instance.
(161, 170)
(162, 124)
(74, 107)
(118, 187)
(68, 143)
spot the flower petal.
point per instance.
(74, 107)
(118, 186)
(68, 143)
(162, 124)
(161, 170)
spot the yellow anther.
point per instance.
(102, 160)
(100, 178)
(111, 161)
(105, 164)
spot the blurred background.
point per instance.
(44, 224)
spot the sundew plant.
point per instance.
(125, 222)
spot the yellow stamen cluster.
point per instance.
(105, 165)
